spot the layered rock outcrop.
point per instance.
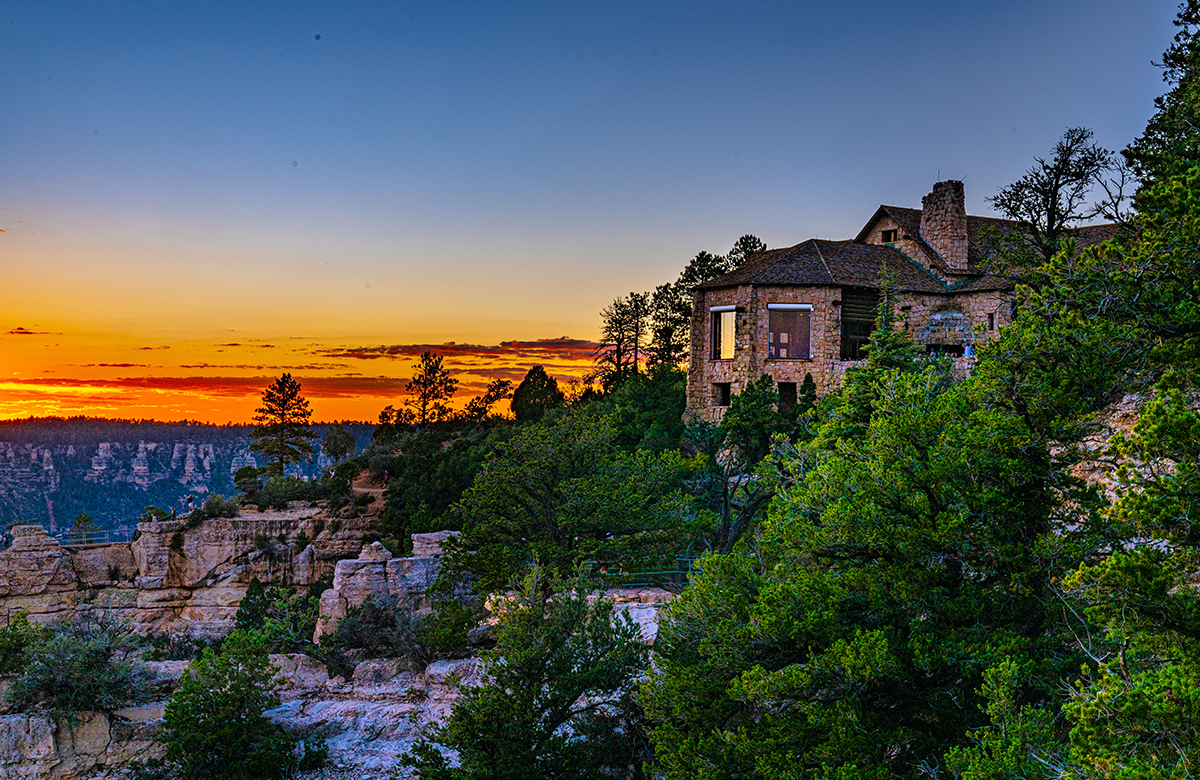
(173, 578)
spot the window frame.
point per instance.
(718, 317)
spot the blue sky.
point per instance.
(411, 172)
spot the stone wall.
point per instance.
(944, 224)
(932, 320)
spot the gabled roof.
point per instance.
(909, 222)
(829, 263)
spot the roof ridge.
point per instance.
(821, 257)
(922, 268)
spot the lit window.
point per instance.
(724, 319)
(788, 330)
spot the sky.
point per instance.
(197, 197)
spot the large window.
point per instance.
(724, 320)
(788, 330)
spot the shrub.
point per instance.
(177, 541)
(558, 697)
(252, 610)
(382, 627)
(214, 506)
(178, 647)
(114, 573)
(90, 664)
(391, 628)
(215, 728)
(302, 541)
(17, 637)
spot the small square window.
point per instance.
(890, 236)
(722, 393)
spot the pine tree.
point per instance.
(537, 394)
(283, 434)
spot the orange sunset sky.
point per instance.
(196, 198)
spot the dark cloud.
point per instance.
(562, 348)
(145, 348)
(27, 332)
(312, 387)
(248, 367)
(234, 344)
(115, 365)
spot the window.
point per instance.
(724, 319)
(788, 330)
(721, 393)
(890, 236)
(991, 322)
(859, 306)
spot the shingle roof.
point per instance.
(909, 221)
(830, 263)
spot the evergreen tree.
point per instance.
(214, 727)
(252, 610)
(338, 443)
(283, 435)
(562, 492)
(480, 407)
(537, 394)
(557, 701)
(430, 391)
(623, 336)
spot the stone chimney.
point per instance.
(944, 224)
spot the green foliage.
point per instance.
(302, 541)
(154, 514)
(18, 637)
(84, 526)
(562, 492)
(214, 727)
(283, 435)
(87, 664)
(557, 698)
(851, 638)
(338, 443)
(391, 628)
(177, 540)
(248, 481)
(537, 394)
(429, 474)
(177, 646)
(252, 610)
(215, 506)
(732, 480)
(648, 409)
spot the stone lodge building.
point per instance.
(810, 308)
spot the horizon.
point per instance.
(201, 199)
